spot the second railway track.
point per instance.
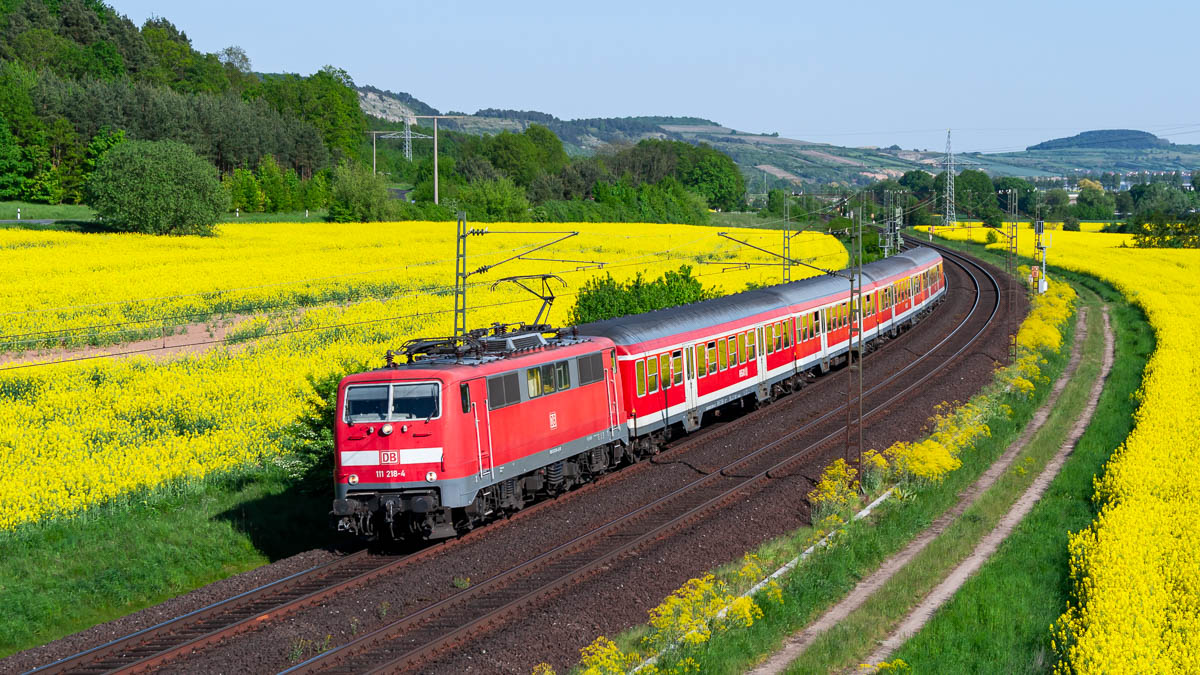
(411, 640)
(421, 634)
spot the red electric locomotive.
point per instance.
(483, 424)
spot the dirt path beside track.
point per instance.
(794, 646)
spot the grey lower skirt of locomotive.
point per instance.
(418, 513)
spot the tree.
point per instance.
(1166, 230)
(493, 201)
(548, 148)
(234, 57)
(156, 187)
(1094, 204)
(608, 298)
(1055, 204)
(358, 195)
(974, 193)
(13, 167)
(270, 177)
(1024, 193)
(919, 183)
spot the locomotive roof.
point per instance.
(672, 321)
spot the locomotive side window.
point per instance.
(712, 358)
(367, 404)
(722, 353)
(465, 392)
(651, 374)
(640, 369)
(504, 390)
(548, 383)
(495, 392)
(533, 380)
(664, 362)
(562, 375)
(591, 369)
(677, 366)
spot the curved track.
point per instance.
(415, 637)
(412, 640)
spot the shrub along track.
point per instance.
(431, 577)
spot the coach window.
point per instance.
(749, 353)
(722, 353)
(651, 374)
(701, 361)
(677, 366)
(772, 333)
(664, 369)
(640, 369)
(733, 351)
(712, 358)
(788, 330)
(562, 375)
(533, 380)
(691, 363)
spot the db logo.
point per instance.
(390, 456)
(553, 420)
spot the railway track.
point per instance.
(412, 640)
(415, 637)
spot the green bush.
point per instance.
(607, 298)
(358, 196)
(1070, 224)
(493, 201)
(156, 187)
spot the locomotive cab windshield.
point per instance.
(400, 401)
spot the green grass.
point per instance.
(742, 219)
(57, 578)
(30, 211)
(314, 216)
(853, 640)
(831, 573)
(999, 621)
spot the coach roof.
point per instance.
(672, 321)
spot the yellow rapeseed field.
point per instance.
(84, 433)
(1136, 571)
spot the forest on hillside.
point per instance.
(77, 79)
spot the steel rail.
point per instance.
(183, 635)
(445, 622)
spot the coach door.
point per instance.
(760, 361)
(691, 388)
(479, 423)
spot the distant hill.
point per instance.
(1121, 139)
(769, 160)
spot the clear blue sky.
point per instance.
(1002, 75)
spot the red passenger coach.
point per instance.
(678, 363)
(480, 425)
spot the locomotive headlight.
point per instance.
(431, 476)
(385, 430)
(352, 479)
